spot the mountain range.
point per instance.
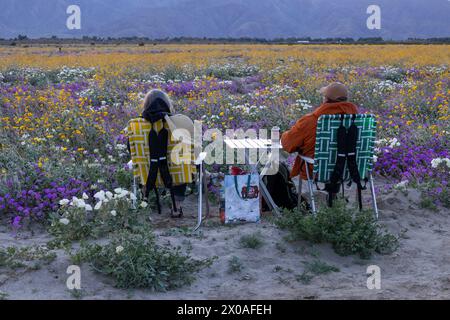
(400, 19)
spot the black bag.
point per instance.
(282, 189)
(346, 153)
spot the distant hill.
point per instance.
(269, 19)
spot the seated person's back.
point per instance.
(301, 137)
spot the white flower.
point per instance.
(122, 194)
(143, 204)
(64, 202)
(391, 143)
(394, 143)
(109, 195)
(119, 249)
(85, 196)
(436, 162)
(402, 184)
(121, 146)
(98, 205)
(100, 195)
(64, 221)
(88, 207)
(118, 190)
(114, 213)
(79, 203)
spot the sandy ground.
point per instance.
(420, 269)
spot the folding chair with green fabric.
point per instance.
(326, 153)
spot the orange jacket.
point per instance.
(301, 137)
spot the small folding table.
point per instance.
(248, 144)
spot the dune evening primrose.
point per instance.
(119, 249)
(64, 202)
(98, 205)
(64, 221)
(143, 204)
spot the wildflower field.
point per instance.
(63, 112)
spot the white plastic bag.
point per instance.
(242, 198)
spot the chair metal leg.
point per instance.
(374, 198)
(133, 202)
(299, 191)
(311, 191)
(200, 197)
(205, 186)
(264, 192)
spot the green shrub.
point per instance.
(73, 223)
(134, 260)
(348, 232)
(252, 241)
(320, 267)
(25, 257)
(304, 278)
(234, 265)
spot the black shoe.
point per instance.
(176, 216)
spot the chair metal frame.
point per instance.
(201, 184)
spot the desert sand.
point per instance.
(419, 269)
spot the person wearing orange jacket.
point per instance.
(301, 137)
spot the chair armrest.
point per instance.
(130, 164)
(307, 159)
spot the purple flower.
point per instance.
(16, 222)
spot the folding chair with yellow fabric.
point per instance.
(180, 157)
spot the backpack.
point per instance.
(158, 141)
(346, 154)
(282, 189)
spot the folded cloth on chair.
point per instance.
(181, 163)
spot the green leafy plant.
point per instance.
(26, 257)
(304, 278)
(134, 260)
(77, 294)
(320, 267)
(235, 265)
(75, 222)
(72, 225)
(251, 241)
(349, 232)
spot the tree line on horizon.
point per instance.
(23, 39)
